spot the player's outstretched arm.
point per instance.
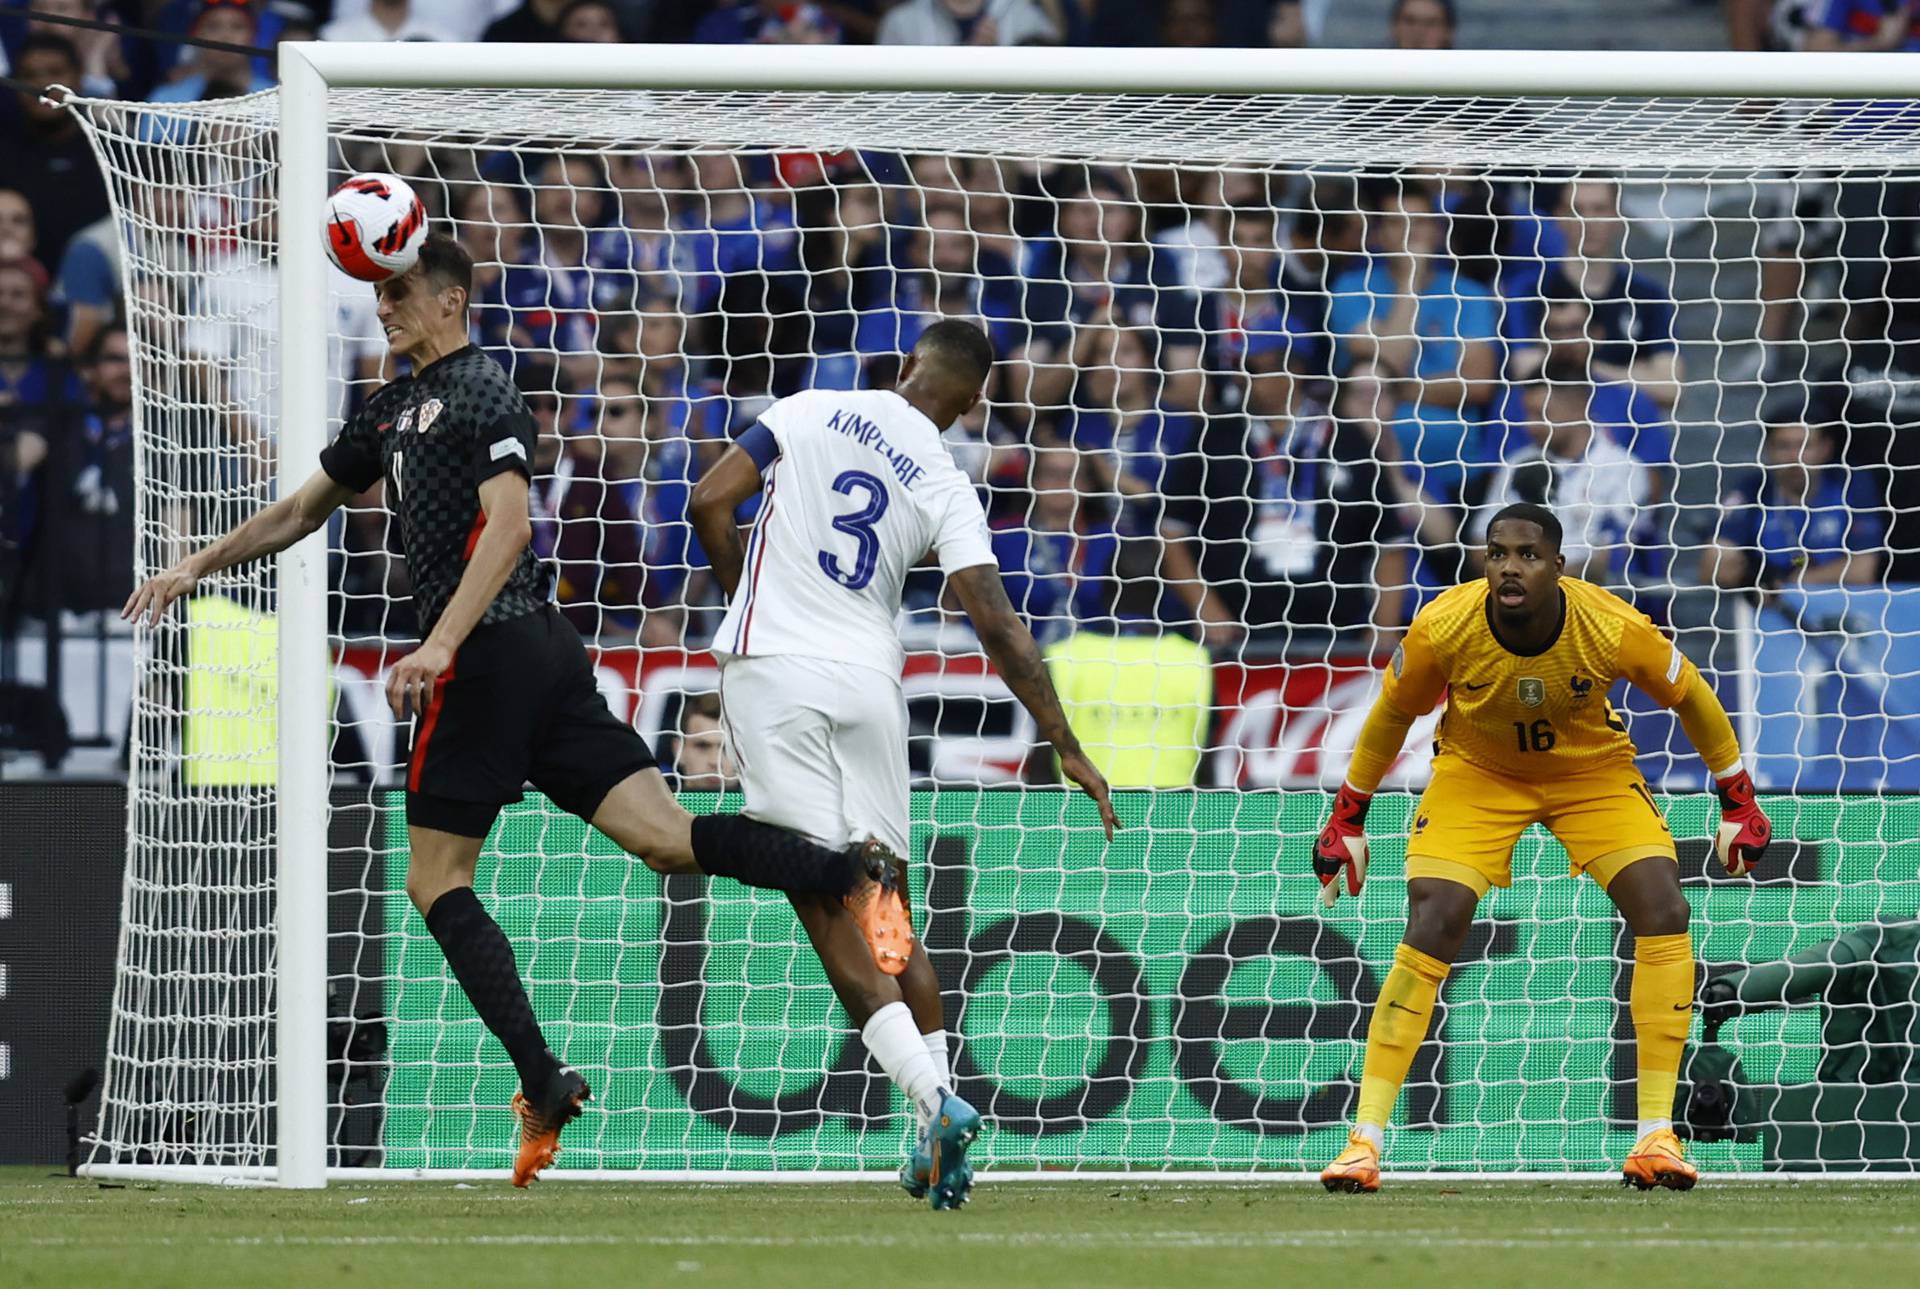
(271, 529)
(509, 527)
(1017, 657)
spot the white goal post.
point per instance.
(1692, 114)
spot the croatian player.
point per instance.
(859, 487)
(1528, 736)
(501, 684)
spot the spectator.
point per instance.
(590, 22)
(217, 73)
(624, 538)
(986, 451)
(1773, 24)
(1255, 303)
(1188, 24)
(385, 20)
(967, 22)
(1631, 316)
(1421, 24)
(46, 157)
(1867, 27)
(17, 237)
(106, 72)
(945, 275)
(637, 253)
(41, 400)
(1805, 519)
(89, 283)
(1300, 525)
(1410, 312)
(700, 759)
(732, 228)
(1058, 560)
(98, 535)
(768, 22)
(1095, 272)
(1582, 475)
(534, 22)
(1145, 455)
(1287, 26)
(460, 19)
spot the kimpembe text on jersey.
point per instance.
(866, 433)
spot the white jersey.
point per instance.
(862, 489)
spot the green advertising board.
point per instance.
(1173, 1000)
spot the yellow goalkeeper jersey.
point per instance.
(1534, 716)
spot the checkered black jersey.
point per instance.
(435, 437)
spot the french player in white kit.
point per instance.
(858, 488)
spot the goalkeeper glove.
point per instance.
(1744, 830)
(1343, 844)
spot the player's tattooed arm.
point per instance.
(1016, 656)
(715, 500)
(269, 530)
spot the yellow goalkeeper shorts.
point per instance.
(1468, 820)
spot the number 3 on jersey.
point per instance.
(858, 524)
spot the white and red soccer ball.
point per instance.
(374, 226)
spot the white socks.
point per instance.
(1371, 1132)
(937, 1049)
(1654, 1125)
(895, 1042)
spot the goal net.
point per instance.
(1267, 361)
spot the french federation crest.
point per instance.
(429, 413)
(1532, 691)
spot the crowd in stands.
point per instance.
(1268, 410)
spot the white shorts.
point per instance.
(821, 747)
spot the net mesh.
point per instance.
(1266, 364)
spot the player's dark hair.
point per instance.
(958, 348)
(1526, 512)
(444, 263)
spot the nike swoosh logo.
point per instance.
(1482, 685)
(1683, 1007)
(1402, 1007)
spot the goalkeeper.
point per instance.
(1528, 736)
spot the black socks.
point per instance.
(482, 960)
(757, 854)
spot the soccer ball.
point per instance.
(375, 224)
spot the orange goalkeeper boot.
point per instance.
(540, 1125)
(1357, 1171)
(879, 906)
(1658, 1159)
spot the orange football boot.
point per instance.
(879, 907)
(1357, 1171)
(540, 1125)
(1658, 1159)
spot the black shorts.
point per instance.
(518, 706)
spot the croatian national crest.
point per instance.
(429, 413)
(1532, 691)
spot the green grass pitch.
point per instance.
(1116, 1234)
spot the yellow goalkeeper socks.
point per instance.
(1662, 1005)
(1399, 1024)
